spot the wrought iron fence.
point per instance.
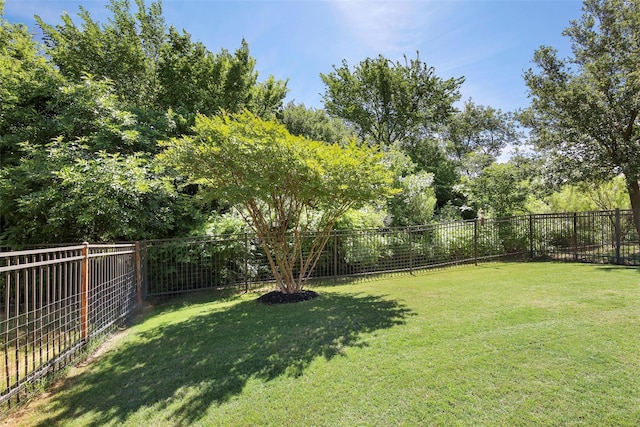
(608, 237)
(56, 302)
(183, 265)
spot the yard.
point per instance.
(496, 344)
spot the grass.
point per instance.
(27, 348)
(499, 344)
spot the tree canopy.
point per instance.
(388, 102)
(584, 108)
(314, 123)
(28, 84)
(500, 190)
(113, 88)
(67, 193)
(283, 185)
(476, 136)
(125, 49)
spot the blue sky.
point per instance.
(490, 43)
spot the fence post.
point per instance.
(618, 237)
(475, 241)
(84, 293)
(246, 262)
(138, 275)
(335, 255)
(531, 254)
(410, 250)
(575, 236)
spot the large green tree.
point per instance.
(285, 186)
(113, 88)
(314, 123)
(389, 102)
(584, 108)
(125, 49)
(44, 113)
(194, 80)
(28, 86)
(398, 105)
(500, 190)
(153, 66)
(476, 136)
(93, 181)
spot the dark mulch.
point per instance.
(277, 297)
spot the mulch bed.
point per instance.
(277, 297)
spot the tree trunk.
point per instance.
(634, 195)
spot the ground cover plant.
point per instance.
(496, 344)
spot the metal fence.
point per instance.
(607, 237)
(178, 266)
(56, 302)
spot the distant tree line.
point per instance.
(86, 112)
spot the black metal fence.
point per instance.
(57, 301)
(607, 237)
(177, 266)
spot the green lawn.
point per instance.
(536, 344)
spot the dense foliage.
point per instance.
(83, 113)
(284, 186)
(584, 109)
(389, 102)
(80, 125)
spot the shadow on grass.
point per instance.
(614, 267)
(216, 353)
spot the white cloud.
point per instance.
(389, 27)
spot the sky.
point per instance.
(489, 43)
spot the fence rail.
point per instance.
(184, 265)
(58, 301)
(607, 237)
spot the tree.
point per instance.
(155, 67)
(609, 195)
(584, 109)
(284, 186)
(476, 136)
(27, 89)
(124, 50)
(314, 124)
(51, 191)
(500, 190)
(388, 102)
(65, 192)
(194, 80)
(416, 202)
(429, 156)
(580, 197)
(114, 88)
